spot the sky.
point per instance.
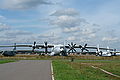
(57, 21)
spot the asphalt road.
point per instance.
(26, 70)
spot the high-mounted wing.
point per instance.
(85, 47)
(16, 46)
(99, 48)
(34, 46)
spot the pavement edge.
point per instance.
(52, 71)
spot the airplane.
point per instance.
(58, 49)
(106, 53)
(9, 53)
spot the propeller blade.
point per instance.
(45, 43)
(74, 45)
(82, 49)
(34, 43)
(87, 50)
(71, 43)
(14, 47)
(46, 48)
(85, 45)
(69, 51)
(33, 49)
(80, 46)
(74, 50)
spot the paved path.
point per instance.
(26, 70)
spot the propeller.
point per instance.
(114, 51)
(46, 47)
(72, 47)
(83, 48)
(34, 46)
(14, 47)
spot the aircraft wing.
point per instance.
(90, 47)
(99, 48)
(42, 46)
(16, 46)
(7, 46)
(77, 46)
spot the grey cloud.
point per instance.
(66, 21)
(74, 27)
(13, 34)
(16, 33)
(23, 4)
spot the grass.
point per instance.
(82, 70)
(6, 61)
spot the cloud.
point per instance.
(2, 17)
(65, 12)
(66, 21)
(74, 27)
(111, 36)
(110, 39)
(4, 27)
(71, 38)
(84, 40)
(23, 4)
(16, 32)
(71, 29)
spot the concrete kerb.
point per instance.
(52, 71)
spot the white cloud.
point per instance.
(72, 29)
(89, 32)
(4, 27)
(110, 39)
(65, 12)
(71, 38)
(2, 17)
(84, 40)
(23, 4)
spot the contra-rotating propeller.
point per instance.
(14, 49)
(72, 47)
(46, 47)
(83, 48)
(34, 46)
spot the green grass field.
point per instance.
(6, 61)
(82, 70)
